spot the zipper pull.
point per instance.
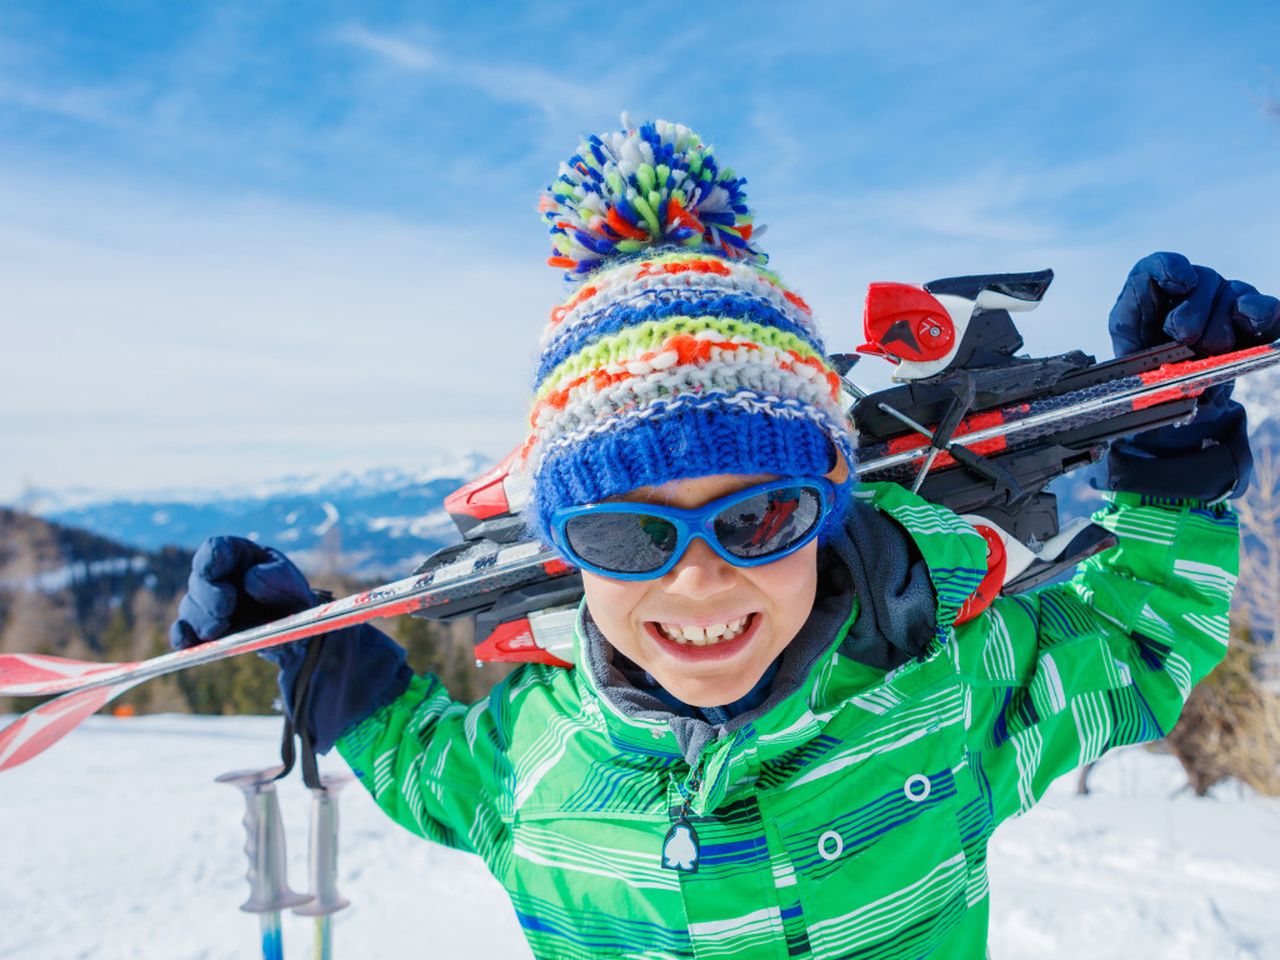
(680, 847)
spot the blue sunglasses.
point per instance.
(643, 541)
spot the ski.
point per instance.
(1009, 427)
(34, 675)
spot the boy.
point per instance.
(778, 741)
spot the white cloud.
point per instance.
(102, 106)
(399, 52)
(500, 79)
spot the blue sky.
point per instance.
(245, 239)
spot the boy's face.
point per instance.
(768, 604)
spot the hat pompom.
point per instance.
(652, 185)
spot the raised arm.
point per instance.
(1062, 674)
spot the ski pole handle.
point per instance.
(323, 854)
(264, 842)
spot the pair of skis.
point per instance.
(976, 429)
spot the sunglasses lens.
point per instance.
(769, 523)
(621, 542)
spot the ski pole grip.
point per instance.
(323, 859)
(264, 842)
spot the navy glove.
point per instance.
(1167, 298)
(235, 584)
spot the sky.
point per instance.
(246, 239)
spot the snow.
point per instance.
(59, 579)
(1141, 867)
(117, 844)
(1259, 394)
(330, 518)
(435, 525)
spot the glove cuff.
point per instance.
(1206, 459)
(359, 671)
(1205, 474)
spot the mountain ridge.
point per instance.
(373, 523)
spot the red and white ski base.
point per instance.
(39, 675)
(39, 729)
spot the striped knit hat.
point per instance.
(677, 355)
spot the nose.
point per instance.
(701, 573)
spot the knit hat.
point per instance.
(678, 354)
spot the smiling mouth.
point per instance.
(704, 635)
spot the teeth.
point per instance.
(703, 636)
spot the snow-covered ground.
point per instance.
(117, 843)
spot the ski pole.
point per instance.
(322, 862)
(269, 891)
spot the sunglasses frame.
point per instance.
(697, 523)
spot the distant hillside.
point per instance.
(66, 591)
(378, 524)
(73, 593)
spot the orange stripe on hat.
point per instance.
(690, 351)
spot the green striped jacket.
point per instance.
(852, 819)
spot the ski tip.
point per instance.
(38, 675)
(37, 730)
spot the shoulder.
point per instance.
(954, 552)
(533, 694)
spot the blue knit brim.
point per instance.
(693, 442)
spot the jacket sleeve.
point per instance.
(1058, 676)
(437, 767)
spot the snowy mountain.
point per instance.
(376, 523)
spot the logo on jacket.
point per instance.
(680, 848)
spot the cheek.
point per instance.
(791, 585)
(612, 603)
